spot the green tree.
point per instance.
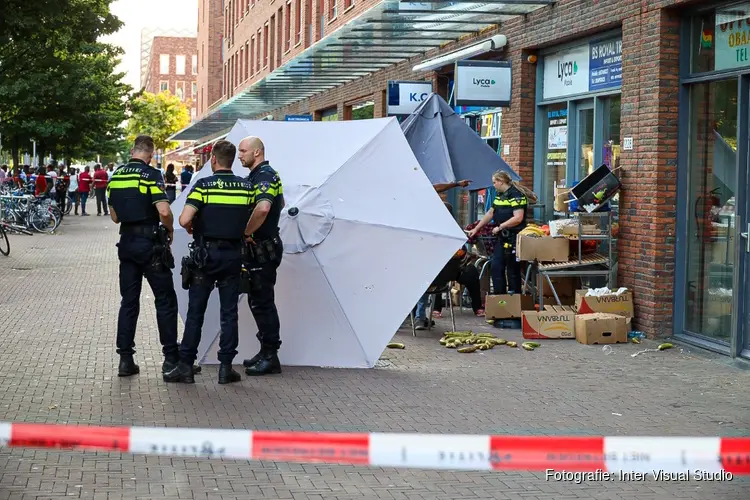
(158, 115)
(57, 83)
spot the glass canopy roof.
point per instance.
(386, 34)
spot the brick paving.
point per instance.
(58, 306)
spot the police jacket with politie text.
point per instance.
(223, 204)
(266, 185)
(134, 191)
(506, 203)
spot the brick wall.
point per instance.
(649, 115)
(173, 46)
(210, 67)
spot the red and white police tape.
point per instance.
(709, 457)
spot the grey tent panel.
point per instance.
(447, 149)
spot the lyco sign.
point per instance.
(483, 82)
(567, 70)
(591, 67)
(732, 34)
(566, 73)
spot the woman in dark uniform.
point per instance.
(508, 213)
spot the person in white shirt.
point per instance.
(73, 189)
(52, 179)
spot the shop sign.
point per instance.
(298, 118)
(732, 37)
(566, 73)
(605, 64)
(404, 97)
(490, 125)
(483, 83)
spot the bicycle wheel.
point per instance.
(4, 241)
(68, 205)
(44, 222)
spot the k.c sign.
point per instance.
(483, 83)
(404, 97)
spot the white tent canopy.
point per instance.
(364, 234)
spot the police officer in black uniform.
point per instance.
(508, 212)
(138, 203)
(263, 255)
(216, 214)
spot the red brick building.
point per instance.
(173, 67)
(660, 88)
(210, 66)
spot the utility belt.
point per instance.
(193, 263)
(263, 251)
(162, 257)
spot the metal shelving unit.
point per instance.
(591, 265)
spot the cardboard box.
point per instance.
(564, 286)
(507, 306)
(601, 328)
(543, 249)
(562, 194)
(615, 304)
(555, 322)
(588, 230)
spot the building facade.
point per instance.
(210, 58)
(659, 90)
(173, 67)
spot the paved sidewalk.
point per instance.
(58, 307)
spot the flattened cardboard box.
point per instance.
(555, 322)
(507, 306)
(543, 248)
(602, 328)
(615, 304)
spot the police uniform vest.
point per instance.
(223, 204)
(506, 203)
(266, 185)
(134, 191)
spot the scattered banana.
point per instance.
(443, 341)
(486, 335)
(512, 344)
(635, 340)
(468, 348)
(499, 341)
(533, 344)
(527, 346)
(665, 346)
(396, 345)
(485, 347)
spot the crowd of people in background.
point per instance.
(75, 185)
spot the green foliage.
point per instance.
(58, 84)
(158, 115)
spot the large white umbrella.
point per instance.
(364, 235)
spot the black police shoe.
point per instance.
(169, 365)
(227, 375)
(182, 373)
(267, 364)
(250, 362)
(127, 366)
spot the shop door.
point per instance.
(583, 161)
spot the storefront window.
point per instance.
(710, 241)
(556, 154)
(720, 39)
(611, 133)
(585, 142)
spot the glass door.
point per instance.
(712, 264)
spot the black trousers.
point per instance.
(504, 264)
(101, 201)
(62, 199)
(171, 193)
(468, 276)
(262, 302)
(136, 253)
(223, 268)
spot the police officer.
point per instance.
(508, 213)
(263, 255)
(216, 213)
(138, 203)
